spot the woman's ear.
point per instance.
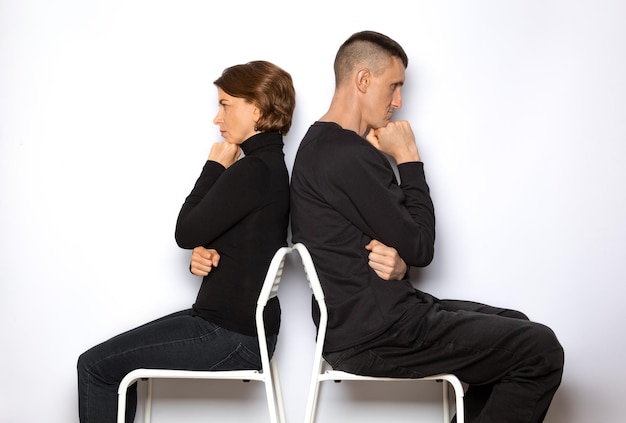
(256, 115)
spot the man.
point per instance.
(363, 229)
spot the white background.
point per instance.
(106, 115)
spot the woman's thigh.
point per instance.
(176, 341)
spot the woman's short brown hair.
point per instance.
(266, 85)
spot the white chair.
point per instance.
(268, 374)
(322, 371)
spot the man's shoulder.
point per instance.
(330, 139)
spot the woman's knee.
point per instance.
(85, 361)
(90, 360)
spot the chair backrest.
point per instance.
(269, 290)
(273, 276)
(318, 294)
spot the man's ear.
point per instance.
(363, 79)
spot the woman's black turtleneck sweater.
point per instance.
(243, 213)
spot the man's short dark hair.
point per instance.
(366, 46)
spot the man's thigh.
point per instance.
(478, 347)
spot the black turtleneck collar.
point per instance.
(261, 140)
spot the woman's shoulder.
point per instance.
(251, 167)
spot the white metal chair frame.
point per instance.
(321, 374)
(269, 368)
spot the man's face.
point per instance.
(384, 95)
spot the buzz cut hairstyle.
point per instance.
(370, 48)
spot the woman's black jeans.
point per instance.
(178, 341)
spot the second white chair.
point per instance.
(322, 372)
(268, 374)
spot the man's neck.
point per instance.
(345, 114)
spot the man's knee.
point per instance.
(514, 314)
(548, 346)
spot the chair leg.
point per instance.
(271, 403)
(121, 406)
(460, 405)
(147, 410)
(311, 405)
(446, 402)
(277, 392)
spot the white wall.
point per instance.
(105, 122)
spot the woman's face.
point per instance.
(236, 118)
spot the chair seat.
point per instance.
(341, 375)
(138, 374)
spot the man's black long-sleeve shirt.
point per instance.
(344, 193)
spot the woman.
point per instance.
(235, 219)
